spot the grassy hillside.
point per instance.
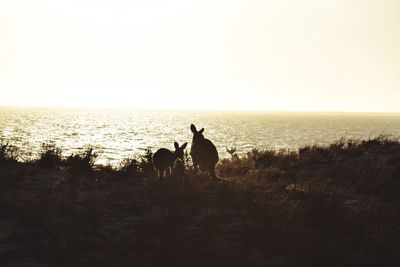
(320, 206)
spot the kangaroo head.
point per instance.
(179, 150)
(197, 135)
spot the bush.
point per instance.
(130, 166)
(146, 162)
(50, 155)
(8, 152)
(84, 160)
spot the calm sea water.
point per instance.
(118, 134)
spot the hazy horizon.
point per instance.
(94, 108)
(302, 56)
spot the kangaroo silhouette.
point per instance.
(203, 151)
(164, 159)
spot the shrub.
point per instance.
(84, 160)
(129, 166)
(146, 162)
(234, 167)
(263, 158)
(50, 155)
(8, 152)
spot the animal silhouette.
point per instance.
(164, 159)
(204, 153)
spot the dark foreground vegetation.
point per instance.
(321, 206)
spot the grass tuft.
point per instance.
(50, 155)
(84, 161)
(8, 153)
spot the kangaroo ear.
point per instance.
(193, 128)
(184, 146)
(176, 145)
(201, 131)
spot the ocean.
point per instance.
(117, 134)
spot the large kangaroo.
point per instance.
(164, 159)
(203, 151)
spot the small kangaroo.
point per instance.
(204, 153)
(163, 159)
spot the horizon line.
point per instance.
(77, 107)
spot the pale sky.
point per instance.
(282, 55)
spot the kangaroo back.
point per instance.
(163, 159)
(203, 151)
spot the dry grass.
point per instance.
(332, 206)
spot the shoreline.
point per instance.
(8, 150)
